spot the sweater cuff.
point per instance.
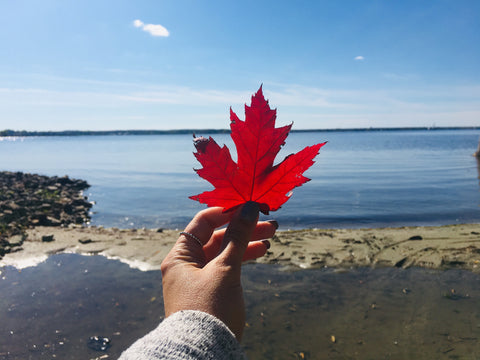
(187, 335)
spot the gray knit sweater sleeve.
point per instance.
(187, 335)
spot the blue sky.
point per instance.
(68, 64)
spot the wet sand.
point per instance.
(436, 247)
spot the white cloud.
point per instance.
(359, 58)
(152, 29)
(156, 30)
(137, 23)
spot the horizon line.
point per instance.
(9, 132)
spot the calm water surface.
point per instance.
(51, 310)
(360, 179)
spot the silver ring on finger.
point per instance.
(191, 236)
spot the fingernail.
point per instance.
(274, 223)
(250, 211)
(266, 243)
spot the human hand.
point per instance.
(207, 278)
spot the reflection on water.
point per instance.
(55, 307)
(51, 311)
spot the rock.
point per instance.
(16, 240)
(41, 219)
(53, 222)
(80, 208)
(68, 208)
(64, 180)
(13, 206)
(47, 238)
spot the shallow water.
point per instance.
(50, 311)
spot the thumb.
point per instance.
(238, 234)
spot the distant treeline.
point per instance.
(199, 131)
(107, 132)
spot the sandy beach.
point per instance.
(437, 247)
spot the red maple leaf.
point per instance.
(254, 177)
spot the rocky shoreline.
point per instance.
(29, 200)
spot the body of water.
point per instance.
(360, 179)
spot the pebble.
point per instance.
(98, 343)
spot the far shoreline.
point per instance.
(31, 133)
